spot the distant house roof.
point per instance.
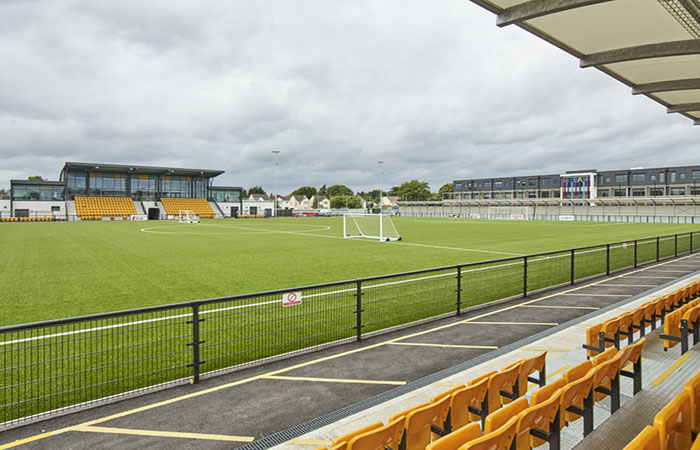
(392, 198)
(283, 197)
(299, 198)
(259, 197)
(321, 198)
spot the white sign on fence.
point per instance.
(138, 217)
(291, 299)
(475, 216)
(567, 218)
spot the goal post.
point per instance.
(187, 216)
(370, 226)
(510, 212)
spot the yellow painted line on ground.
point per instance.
(316, 442)
(308, 363)
(333, 380)
(548, 349)
(638, 276)
(560, 307)
(420, 344)
(599, 295)
(556, 372)
(513, 323)
(170, 434)
(666, 373)
(447, 384)
(629, 285)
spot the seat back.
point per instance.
(485, 376)
(419, 421)
(528, 367)
(406, 412)
(574, 393)
(610, 328)
(503, 380)
(647, 439)
(626, 321)
(457, 438)
(446, 393)
(592, 338)
(500, 439)
(577, 372)
(604, 375)
(498, 418)
(632, 353)
(545, 392)
(672, 327)
(692, 388)
(607, 355)
(346, 437)
(649, 310)
(538, 416)
(691, 315)
(673, 423)
(472, 395)
(390, 435)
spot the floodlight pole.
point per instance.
(274, 197)
(381, 181)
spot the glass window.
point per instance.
(107, 184)
(638, 193)
(621, 178)
(176, 187)
(695, 191)
(662, 177)
(652, 177)
(498, 184)
(531, 194)
(656, 192)
(678, 191)
(546, 181)
(225, 196)
(681, 176)
(673, 177)
(620, 192)
(143, 187)
(607, 180)
(639, 177)
(533, 181)
(76, 184)
(544, 194)
(458, 186)
(604, 192)
(695, 174)
(487, 185)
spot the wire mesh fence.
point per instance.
(61, 365)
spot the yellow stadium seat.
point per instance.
(503, 384)
(537, 420)
(692, 388)
(647, 439)
(498, 418)
(457, 438)
(674, 424)
(344, 439)
(577, 372)
(389, 436)
(500, 439)
(469, 404)
(577, 401)
(419, 423)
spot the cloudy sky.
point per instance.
(433, 88)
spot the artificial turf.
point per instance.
(57, 270)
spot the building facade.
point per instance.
(584, 184)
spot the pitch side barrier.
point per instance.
(58, 366)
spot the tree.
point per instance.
(36, 178)
(445, 188)
(393, 191)
(345, 201)
(256, 190)
(339, 189)
(314, 204)
(414, 190)
(4, 193)
(306, 191)
(323, 190)
(371, 196)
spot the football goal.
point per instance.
(188, 216)
(370, 226)
(510, 212)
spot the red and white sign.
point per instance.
(475, 216)
(291, 299)
(138, 217)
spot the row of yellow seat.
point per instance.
(450, 420)
(199, 206)
(607, 334)
(94, 208)
(676, 424)
(679, 323)
(26, 219)
(251, 216)
(101, 217)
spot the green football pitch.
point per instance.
(56, 270)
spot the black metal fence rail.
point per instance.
(57, 366)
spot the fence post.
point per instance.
(459, 290)
(358, 310)
(635, 253)
(524, 276)
(657, 248)
(607, 259)
(675, 245)
(572, 266)
(691, 241)
(195, 344)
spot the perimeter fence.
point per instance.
(58, 366)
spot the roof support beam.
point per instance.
(660, 50)
(666, 86)
(683, 107)
(538, 8)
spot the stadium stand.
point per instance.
(199, 206)
(96, 208)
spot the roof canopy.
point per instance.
(98, 167)
(653, 46)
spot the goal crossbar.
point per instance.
(187, 216)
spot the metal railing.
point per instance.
(59, 366)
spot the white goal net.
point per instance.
(187, 216)
(510, 212)
(371, 226)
